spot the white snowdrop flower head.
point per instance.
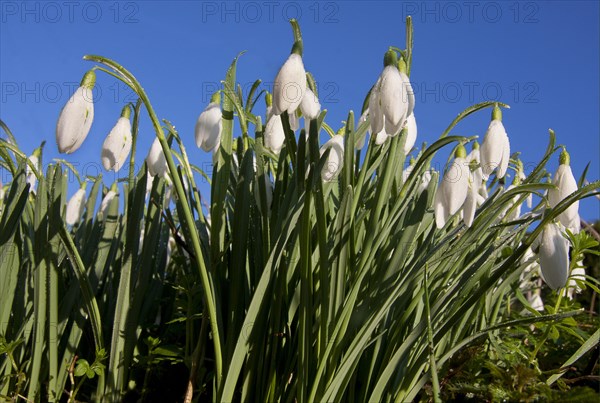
(565, 185)
(554, 256)
(335, 159)
(495, 149)
(453, 190)
(274, 136)
(75, 119)
(290, 83)
(31, 178)
(156, 161)
(76, 206)
(209, 125)
(104, 205)
(117, 144)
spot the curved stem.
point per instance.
(188, 219)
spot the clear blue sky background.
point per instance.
(542, 58)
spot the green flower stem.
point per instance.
(132, 82)
(134, 133)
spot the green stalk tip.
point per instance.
(565, 158)
(390, 58)
(497, 113)
(460, 152)
(126, 111)
(269, 99)
(216, 98)
(88, 80)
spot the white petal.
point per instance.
(493, 148)
(381, 137)
(75, 207)
(411, 137)
(310, 105)
(106, 203)
(469, 207)
(566, 184)
(274, 136)
(75, 120)
(409, 94)
(157, 164)
(394, 104)
(457, 185)
(289, 85)
(375, 112)
(335, 159)
(117, 145)
(439, 205)
(554, 257)
(208, 127)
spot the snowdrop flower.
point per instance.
(31, 178)
(274, 136)
(157, 164)
(310, 105)
(117, 144)
(75, 119)
(577, 275)
(290, 83)
(209, 125)
(75, 206)
(495, 150)
(411, 133)
(394, 96)
(452, 192)
(110, 195)
(565, 185)
(554, 256)
(335, 159)
(392, 101)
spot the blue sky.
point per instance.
(542, 58)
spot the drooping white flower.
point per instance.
(565, 185)
(395, 94)
(335, 159)
(31, 178)
(411, 133)
(310, 105)
(554, 256)
(290, 85)
(157, 163)
(495, 149)
(75, 207)
(117, 144)
(110, 195)
(75, 119)
(453, 190)
(577, 275)
(274, 136)
(209, 125)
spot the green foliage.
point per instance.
(341, 290)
